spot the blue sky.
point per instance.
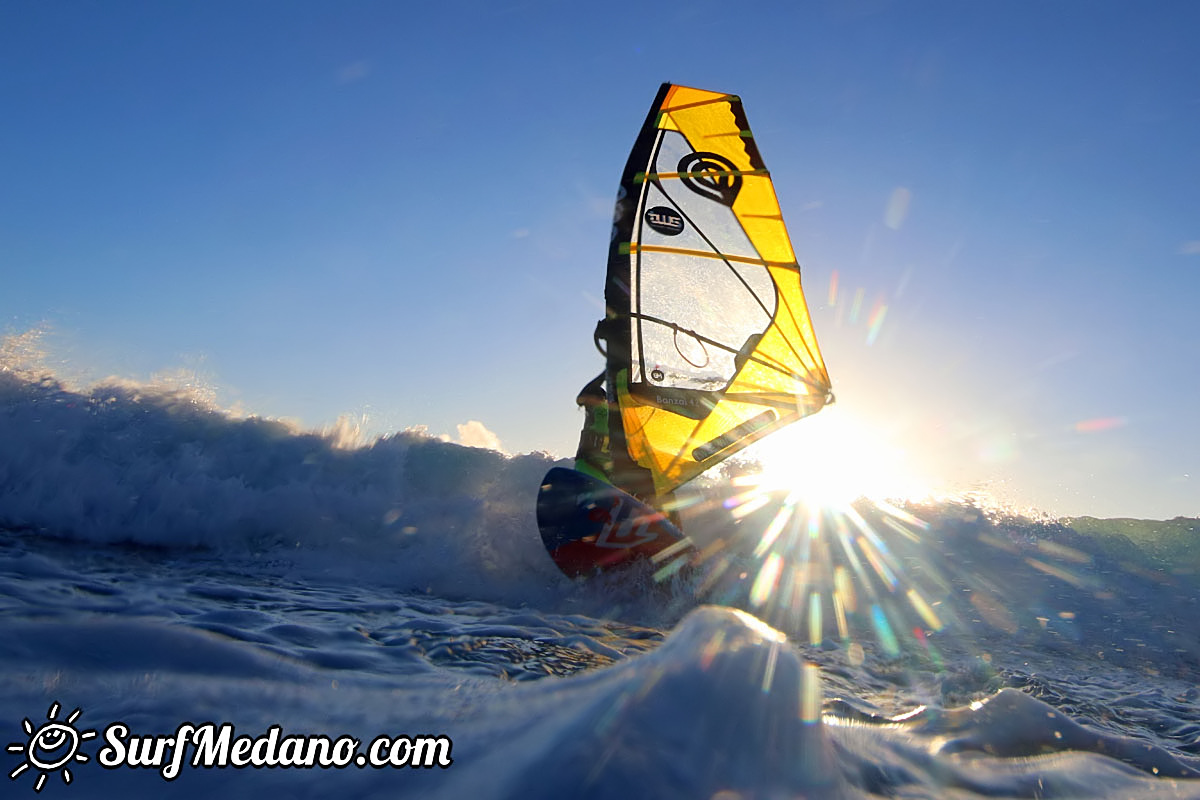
(401, 210)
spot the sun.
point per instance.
(805, 555)
(52, 746)
(832, 459)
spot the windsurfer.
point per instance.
(706, 337)
(594, 456)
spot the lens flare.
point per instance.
(875, 321)
(1100, 424)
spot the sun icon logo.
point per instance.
(51, 746)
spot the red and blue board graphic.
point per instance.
(590, 526)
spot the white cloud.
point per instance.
(474, 433)
(1191, 248)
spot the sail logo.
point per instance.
(670, 401)
(711, 175)
(664, 220)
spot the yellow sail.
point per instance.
(710, 344)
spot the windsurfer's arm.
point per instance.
(593, 456)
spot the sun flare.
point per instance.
(832, 459)
(816, 540)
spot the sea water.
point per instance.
(172, 573)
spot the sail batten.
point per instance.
(709, 342)
(655, 177)
(649, 248)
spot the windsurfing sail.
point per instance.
(709, 343)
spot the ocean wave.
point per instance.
(121, 463)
